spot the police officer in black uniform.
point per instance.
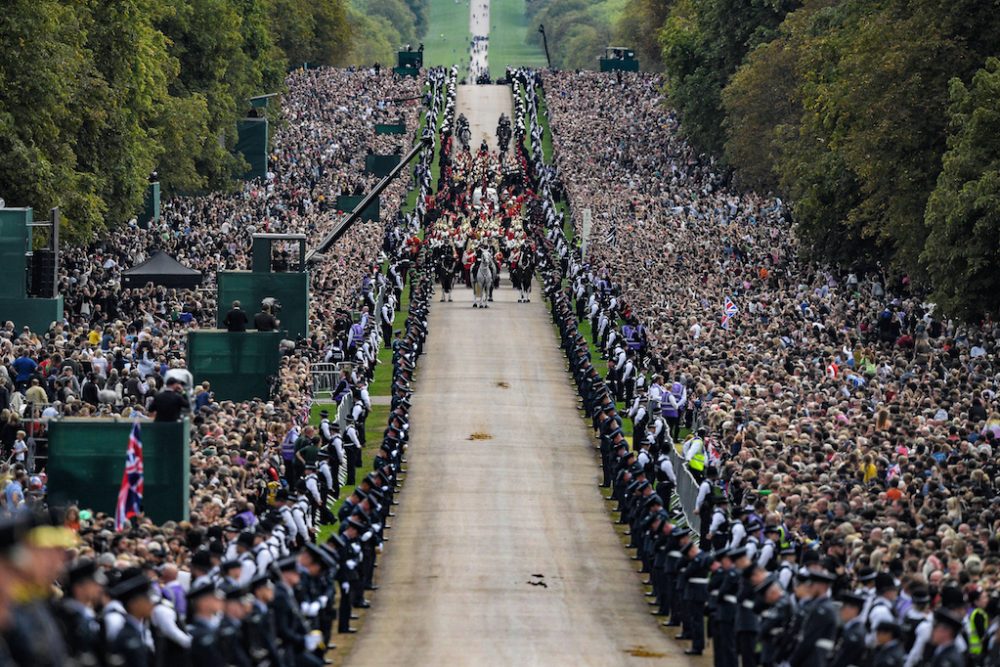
(850, 646)
(230, 634)
(258, 626)
(133, 646)
(814, 642)
(75, 611)
(205, 602)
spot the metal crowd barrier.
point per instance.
(687, 490)
(324, 379)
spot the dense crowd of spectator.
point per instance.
(119, 349)
(837, 410)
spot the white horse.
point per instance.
(482, 280)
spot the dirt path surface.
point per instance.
(502, 552)
(482, 105)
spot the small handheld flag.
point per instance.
(729, 311)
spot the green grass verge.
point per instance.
(447, 40)
(509, 31)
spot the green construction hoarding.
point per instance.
(347, 203)
(87, 459)
(239, 366)
(251, 287)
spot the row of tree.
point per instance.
(380, 27)
(97, 95)
(879, 120)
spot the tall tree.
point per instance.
(704, 41)
(638, 26)
(962, 252)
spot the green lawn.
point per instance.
(447, 40)
(508, 37)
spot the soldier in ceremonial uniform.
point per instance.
(850, 645)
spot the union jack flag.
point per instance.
(729, 311)
(130, 494)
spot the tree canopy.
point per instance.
(98, 95)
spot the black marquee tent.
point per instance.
(161, 269)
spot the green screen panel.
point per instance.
(390, 128)
(410, 59)
(36, 314)
(252, 143)
(15, 240)
(406, 71)
(250, 288)
(347, 203)
(612, 64)
(87, 458)
(381, 165)
(151, 206)
(240, 366)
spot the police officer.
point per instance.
(75, 611)
(133, 646)
(814, 642)
(888, 651)
(704, 504)
(205, 603)
(724, 637)
(850, 646)
(947, 627)
(696, 571)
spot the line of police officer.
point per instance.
(781, 614)
(266, 595)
